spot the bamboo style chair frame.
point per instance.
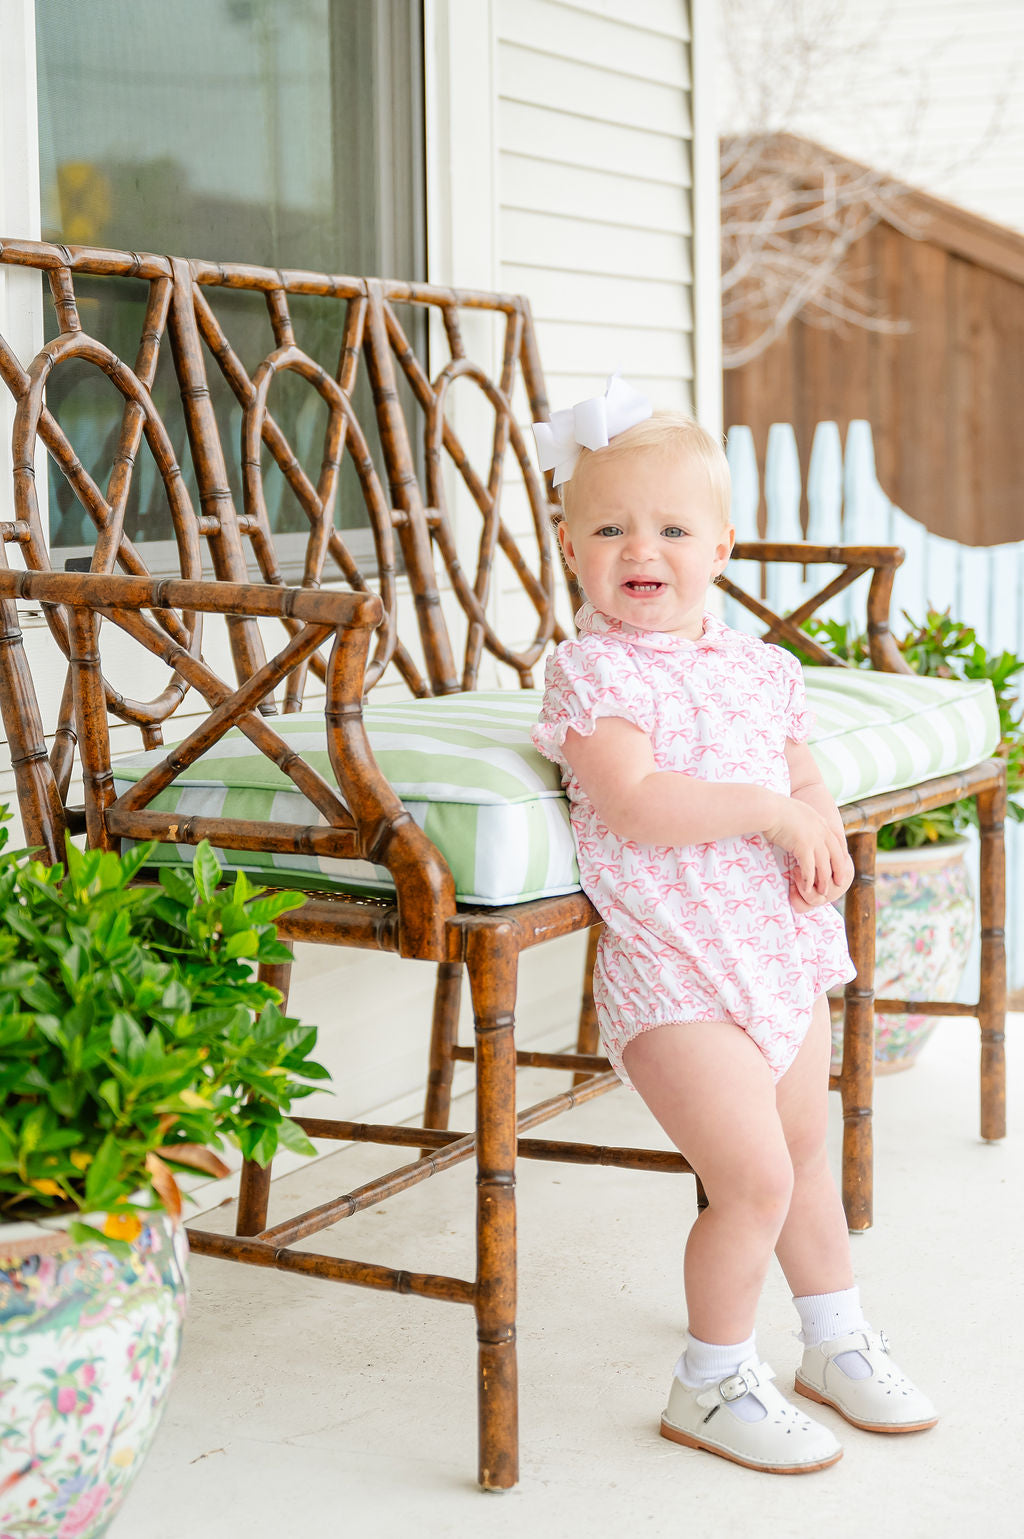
(345, 627)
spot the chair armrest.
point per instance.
(368, 821)
(856, 560)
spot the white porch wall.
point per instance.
(606, 199)
(561, 162)
(594, 131)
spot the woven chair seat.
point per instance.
(469, 776)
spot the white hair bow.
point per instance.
(590, 425)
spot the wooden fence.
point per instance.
(843, 503)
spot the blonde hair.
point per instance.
(665, 432)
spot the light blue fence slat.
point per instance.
(867, 511)
(1005, 619)
(865, 505)
(746, 498)
(746, 482)
(972, 601)
(908, 589)
(825, 509)
(942, 561)
(825, 486)
(784, 584)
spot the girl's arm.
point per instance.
(807, 785)
(615, 766)
(805, 781)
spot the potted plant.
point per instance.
(922, 884)
(134, 1041)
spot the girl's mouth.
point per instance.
(642, 589)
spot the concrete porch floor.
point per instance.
(304, 1407)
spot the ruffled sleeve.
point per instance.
(583, 681)
(796, 713)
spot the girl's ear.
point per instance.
(723, 550)
(565, 541)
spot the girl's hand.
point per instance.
(820, 866)
(802, 905)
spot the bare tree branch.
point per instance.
(792, 210)
(790, 215)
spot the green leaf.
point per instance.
(178, 885)
(101, 1179)
(85, 1234)
(127, 1038)
(153, 1060)
(245, 944)
(264, 910)
(263, 1148)
(75, 962)
(206, 869)
(233, 918)
(134, 858)
(273, 950)
(291, 1136)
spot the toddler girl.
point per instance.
(711, 848)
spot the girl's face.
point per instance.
(645, 540)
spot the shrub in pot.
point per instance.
(923, 890)
(135, 1040)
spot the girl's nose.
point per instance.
(639, 547)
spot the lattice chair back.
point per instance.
(414, 440)
(386, 427)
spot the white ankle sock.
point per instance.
(705, 1363)
(824, 1316)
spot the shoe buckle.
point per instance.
(738, 1385)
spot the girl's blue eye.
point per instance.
(609, 531)
(673, 531)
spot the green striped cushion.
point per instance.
(883, 731)
(466, 770)
(463, 765)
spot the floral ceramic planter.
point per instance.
(88, 1344)
(925, 924)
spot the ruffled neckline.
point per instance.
(716, 636)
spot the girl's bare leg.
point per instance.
(814, 1245)
(712, 1091)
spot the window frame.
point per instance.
(22, 303)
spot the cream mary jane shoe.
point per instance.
(886, 1401)
(783, 1441)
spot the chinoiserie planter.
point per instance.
(88, 1343)
(925, 923)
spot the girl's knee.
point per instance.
(762, 1195)
(808, 1153)
(772, 1189)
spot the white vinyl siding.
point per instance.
(594, 157)
(593, 143)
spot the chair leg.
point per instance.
(253, 1198)
(447, 998)
(992, 993)
(254, 1183)
(858, 1071)
(492, 956)
(588, 1038)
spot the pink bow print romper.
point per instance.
(706, 932)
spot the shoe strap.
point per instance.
(750, 1376)
(856, 1341)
